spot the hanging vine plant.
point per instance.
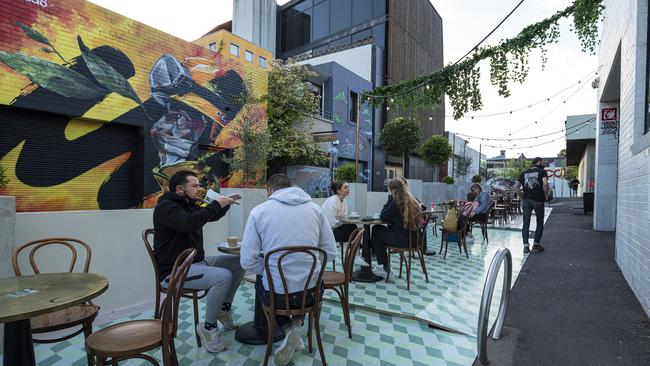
(508, 63)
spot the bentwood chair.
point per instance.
(422, 221)
(194, 295)
(132, 338)
(460, 233)
(79, 315)
(317, 259)
(339, 282)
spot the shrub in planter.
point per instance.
(476, 179)
(346, 173)
(448, 180)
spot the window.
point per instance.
(354, 106)
(340, 16)
(234, 49)
(248, 56)
(321, 24)
(213, 46)
(263, 62)
(361, 11)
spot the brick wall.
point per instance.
(183, 98)
(625, 26)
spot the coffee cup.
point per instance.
(233, 241)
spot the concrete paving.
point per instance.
(571, 305)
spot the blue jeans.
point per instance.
(528, 206)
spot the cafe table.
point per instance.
(25, 297)
(365, 274)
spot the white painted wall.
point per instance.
(255, 21)
(459, 147)
(625, 25)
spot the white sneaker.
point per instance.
(226, 320)
(292, 342)
(210, 338)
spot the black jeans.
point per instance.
(343, 232)
(528, 206)
(295, 300)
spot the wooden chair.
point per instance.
(194, 295)
(132, 338)
(460, 235)
(422, 221)
(339, 282)
(271, 311)
(79, 315)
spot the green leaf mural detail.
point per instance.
(337, 119)
(106, 75)
(53, 77)
(40, 38)
(340, 97)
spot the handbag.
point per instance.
(450, 223)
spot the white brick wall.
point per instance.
(625, 25)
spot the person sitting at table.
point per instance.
(288, 218)
(178, 225)
(336, 209)
(484, 203)
(398, 212)
(469, 210)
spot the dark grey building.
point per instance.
(383, 41)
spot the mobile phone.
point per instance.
(235, 196)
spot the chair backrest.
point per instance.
(353, 247)
(147, 244)
(422, 220)
(314, 254)
(174, 291)
(35, 245)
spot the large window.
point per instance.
(313, 20)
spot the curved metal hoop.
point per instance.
(503, 255)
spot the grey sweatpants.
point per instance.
(221, 275)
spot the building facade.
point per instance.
(622, 182)
(97, 110)
(383, 42)
(462, 150)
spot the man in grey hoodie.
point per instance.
(288, 218)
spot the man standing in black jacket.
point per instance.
(536, 190)
(178, 225)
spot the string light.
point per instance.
(580, 124)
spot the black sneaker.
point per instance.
(538, 248)
(526, 250)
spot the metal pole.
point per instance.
(356, 154)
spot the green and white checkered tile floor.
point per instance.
(451, 298)
(377, 340)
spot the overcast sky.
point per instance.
(465, 22)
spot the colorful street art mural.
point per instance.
(97, 110)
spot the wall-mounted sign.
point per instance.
(609, 121)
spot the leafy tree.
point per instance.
(514, 168)
(346, 172)
(562, 153)
(476, 179)
(570, 172)
(399, 137)
(436, 150)
(448, 180)
(463, 163)
(289, 101)
(250, 156)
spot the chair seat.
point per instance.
(126, 339)
(62, 319)
(332, 278)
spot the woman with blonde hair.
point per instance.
(399, 212)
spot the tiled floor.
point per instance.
(450, 300)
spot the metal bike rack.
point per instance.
(502, 256)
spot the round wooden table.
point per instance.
(25, 297)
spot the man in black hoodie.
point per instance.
(178, 224)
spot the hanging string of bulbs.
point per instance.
(587, 124)
(525, 138)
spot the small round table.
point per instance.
(25, 297)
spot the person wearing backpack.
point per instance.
(536, 189)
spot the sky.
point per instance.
(465, 22)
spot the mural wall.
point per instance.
(96, 109)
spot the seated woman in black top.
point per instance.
(398, 212)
